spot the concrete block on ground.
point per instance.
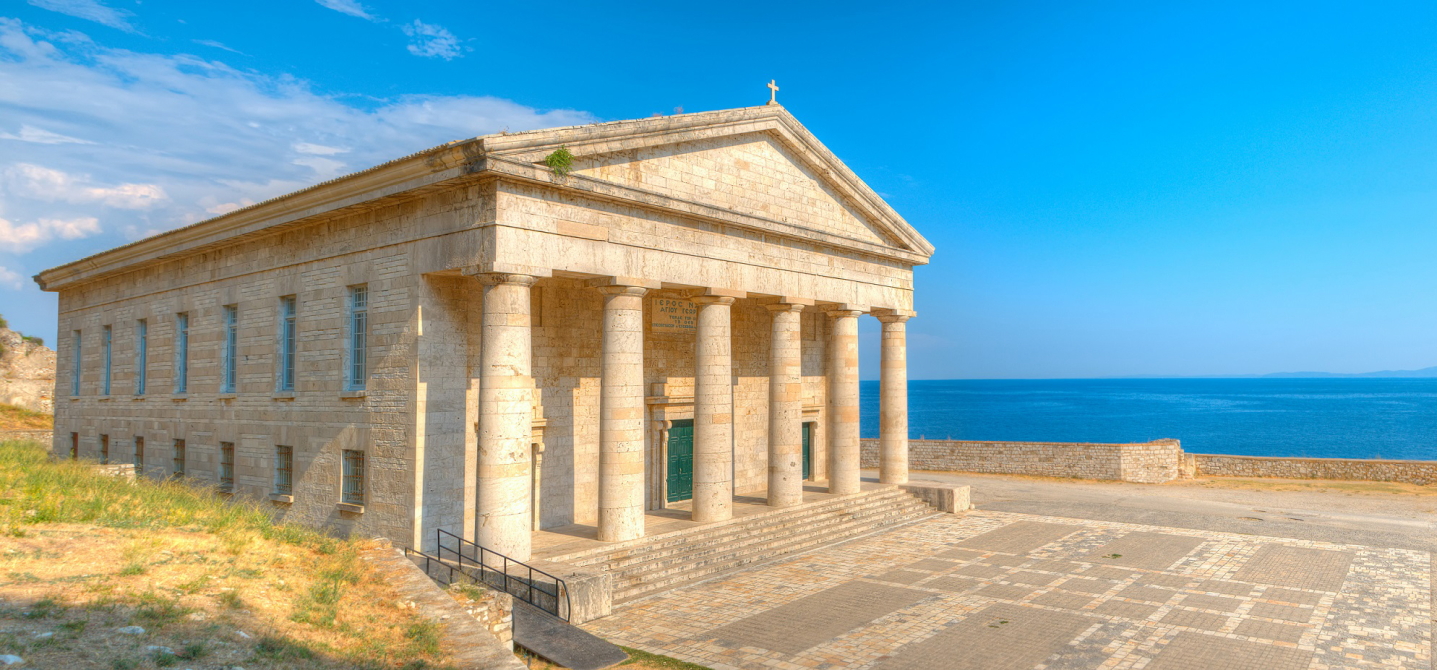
(949, 498)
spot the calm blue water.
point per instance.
(1332, 418)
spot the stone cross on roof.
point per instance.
(772, 92)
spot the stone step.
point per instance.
(828, 521)
(648, 588)
(594, 555)
(657, 545)
(747, 535)
(838, 526)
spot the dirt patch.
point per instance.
(1315, 485)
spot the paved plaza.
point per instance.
(994, 590)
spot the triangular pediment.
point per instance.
(759, 162)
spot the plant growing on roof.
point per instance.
(560, 162)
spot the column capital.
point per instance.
(712, 300)
(840, 311)
(894, 315)
(620, 289)
(496, 278)
(784, 307)
(633, 282)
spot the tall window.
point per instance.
(139, 455)
(231, 353)
(284, 470)
(142, 354)
(104, 449)
(74, 446)
(105, 343)
(358, 335)
(353, 477)
(227, 465)
(75, 364)
(286, 344)
(182, 353)
(178, 467)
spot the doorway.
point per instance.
(680, 471)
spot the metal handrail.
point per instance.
(530, 584)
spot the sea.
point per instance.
(1320, 418)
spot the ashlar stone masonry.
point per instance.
(465, 340)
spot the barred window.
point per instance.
(105, 340)
(358, 336)
(284, 470)
(179, 464)
(104, 449)
(139, 454)
(75, 364)
(227, 465)
(353, 477)
(142, 355)
(287, 335)
(231, 352)
(182, 353)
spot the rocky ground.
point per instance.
(27, 372)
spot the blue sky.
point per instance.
(1114, 189)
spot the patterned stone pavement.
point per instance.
(1004, 591)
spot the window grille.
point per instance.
(104, 449)
(284, 470)
(182, 353)
(142, 355)
(105, 341)
(75, 365)
(227, 465)
(358, 337)
(139, 454)
(286, 343)
(231, 353)
(353, 477)
(179, 465)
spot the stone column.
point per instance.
(893, 398)
(785, 407)
(843, 452)
(505, 415)
(713, 411)
(621, 415)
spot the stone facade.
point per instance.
(507, 308)
(1422, 473)
(1148, 463)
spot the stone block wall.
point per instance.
(1148, 463)
(1422, 473)
(42, 436)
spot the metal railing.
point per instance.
(525, 582)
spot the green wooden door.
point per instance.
(808, 451)
(681, 461)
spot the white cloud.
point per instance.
(30, 133)
(26, 236)
(90, 10)
(432, 41)
(11, 278)
(217, 45)
(350, 7)
(318, 149)
(179, 138)
(44, 183)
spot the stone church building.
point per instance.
(489, 339)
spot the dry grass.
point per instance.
(19, 418)
(213, 584)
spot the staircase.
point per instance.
(670, 560)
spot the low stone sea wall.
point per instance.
(1147, 462)
(1422, 473)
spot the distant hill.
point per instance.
(1424, 372)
